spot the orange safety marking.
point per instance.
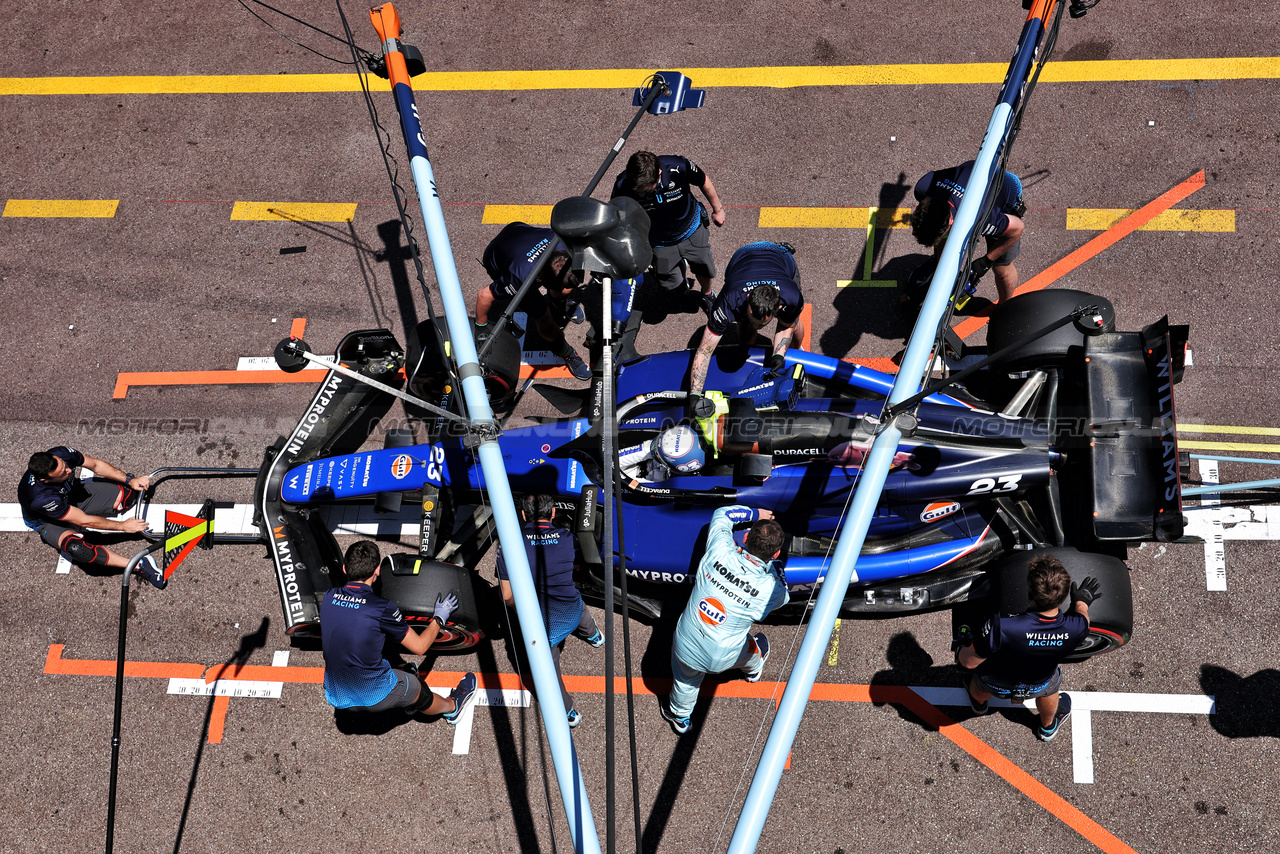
(1108, 238)
(125, 380)
(893, 694)
(298, 327)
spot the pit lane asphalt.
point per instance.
(170, 283)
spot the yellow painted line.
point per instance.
(866, 283)
(779, 77)
(503, 214)
(102, 208)
(1247, 447)
(778, 217)
(833, 650)
(1100, 219)
(1221, 428)
(297, 211)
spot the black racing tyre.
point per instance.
(429, 373)
(1029, 313)
(415, 583)
(1110, 616)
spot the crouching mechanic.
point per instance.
(508, 259)
(59, 506)
(551, 552)
(939, 194)
(355, 624)
(734, 588)
(1016, 657)
(761, 283)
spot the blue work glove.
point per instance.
(445, 606)
(1086, 591)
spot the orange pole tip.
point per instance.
(386, 21)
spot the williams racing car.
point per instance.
(1066, 442)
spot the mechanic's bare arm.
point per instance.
(717, 209)
(76, 516)
(419, 642)
(1082, 609)
(702, 361)
(782, 338)
(105, 469)
(1007, 238)
(484, 302)
(968, 658)
(508, 596)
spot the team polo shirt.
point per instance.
(762, 263)
(950, 184)
(1025, 649)
(550, 550)
(355, 625)
(48, 502)
(510, 256)
(674, 214)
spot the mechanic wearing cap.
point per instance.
(1016, 657)
(663, 185)
(508, 259)
(939, 194)
(356, 623)
(734, 587)
(59, 506)
(762, 282)
(551, 551)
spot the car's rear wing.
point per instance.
(1133, 443)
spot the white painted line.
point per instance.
(511, 697)
(1252, 522)
(1082, 744)
(1215, 551)
(64, 565)
(1098, 701)
(280, 658)
(257, 363)
(226, 688)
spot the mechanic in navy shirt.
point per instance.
(663, 185)
(551, 551)
(59, 506)
(508, 259)
(355, 625)
(1016, 656)
(939, 194)
(761, 283)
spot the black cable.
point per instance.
(365, 55)
(626, 656)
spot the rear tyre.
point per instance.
(414, 584)
(1028, 313)
(429, 371)
(1110, 616)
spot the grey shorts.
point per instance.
(94, 497)
(1020, 692)
(405, 693)
(696, 249)
(1009, 254)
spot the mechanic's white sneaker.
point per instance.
(762, 645)
(680, 725)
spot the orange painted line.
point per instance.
(125, 380)
(1012, 774)
(1106, 239)
(218, 719)
(55, 663)
(298, 327)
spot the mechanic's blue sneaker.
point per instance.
(762, 644)
(575, 718)
(577, 367)
(463, 695)
(147, 569)
(680, 725)
(579, 316)
(1047, 733)
(596, 640)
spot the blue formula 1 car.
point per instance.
(1066, 442)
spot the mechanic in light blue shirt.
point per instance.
(356, 623)
(734, 587)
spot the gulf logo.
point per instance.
(711, 611)
(938, 510)
(401, 466)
